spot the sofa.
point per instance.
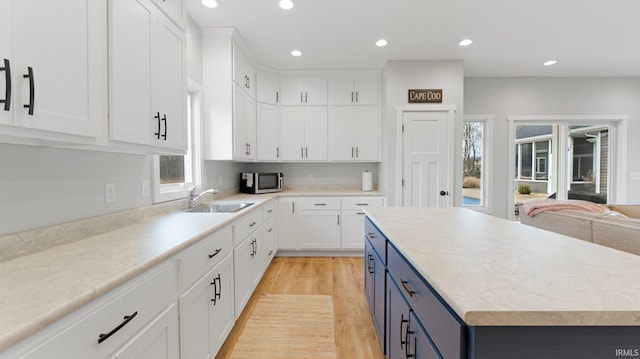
(618, 227)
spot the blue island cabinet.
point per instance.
(375, 271)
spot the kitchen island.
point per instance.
(483, 287)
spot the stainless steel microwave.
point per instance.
(256, 182)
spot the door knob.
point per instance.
(444, 193)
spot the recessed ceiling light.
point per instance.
(296, 53)
(286, 4)
(381, 43)
(550, 62)
(465, 42)
(210, 3)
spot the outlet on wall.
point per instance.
(110, 192)
(145, 189)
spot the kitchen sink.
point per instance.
(219, 207)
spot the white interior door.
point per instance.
(426, 158)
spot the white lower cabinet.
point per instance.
(157, 341)
(245, 261)
(206, 312)
(323, 223)
(135, 318)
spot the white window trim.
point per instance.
(617, 130)
(487, 158)
(164, 193)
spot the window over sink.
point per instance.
(175, 174)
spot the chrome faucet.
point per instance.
(193, 198)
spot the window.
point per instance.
(475, 161)
(175, 174)
(573, 158)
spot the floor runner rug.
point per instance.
(288, 326)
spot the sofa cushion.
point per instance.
(571, 223)
(622, 234)
(631, 211)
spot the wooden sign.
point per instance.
(425, 96)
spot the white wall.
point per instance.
(41, 186)
(503, 97)
(194, 51)
(397, 78)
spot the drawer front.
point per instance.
(269, 210)
(203, 256)
(245, 226)
(441, 325)
(377, 239)
(357, 203)
(140, 304)
(319, 203)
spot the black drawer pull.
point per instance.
(406, 347)
(164, 119)
(32, 90)
(7, 79)
(402, 321)
(359, 212)
(215, 253)
(372, 235)
(362, 204)
(127, 319)
(405, 286)
(157, 117)
(252, 224)
(369, 265)
(320, 204)
(270, 230)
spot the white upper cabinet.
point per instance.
(176, 10)
(229, 125)
(355, 88)
(53, 62)
(354, 133)
(303, 90)
(147, 88)
(268, 89)
(304, 133)
(244, 74)
(268, 132)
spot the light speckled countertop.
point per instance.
(494, 272)
(40, 288)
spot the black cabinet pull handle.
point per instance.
(357, 153)
(301, 98)
(127, 319)
(217, 288)
(370, 266)
(351, 96)
(7, 79)
(306, 152)
(405, 286)
(277, 96)
(362, 204)
(157, 117)
(277, 152)
(164, 119)
(305, 97)
(352, 152)
(320, 204)
(301, 152)
(360, 213)
(252, 224)
(32, 90)
(215, 253)
(406, 347)
(356, 96)
(270, 230)
(402, 321)
(372, 235)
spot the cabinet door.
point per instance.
(343, 128)
(343, 90)
(267, 87)
(240, 143)
(316, 134)
(291, 90)
(158, 340)
(368, 275)
(268, 132)
(397, 322)
(176, 10)
(269, 241)
(352, 229)
(250, 124)
(367, 132)
(418, 346)
(315, 90)
(366, 89)
(221, 313)
(132, 25)
(243, 274)
(63, 45)
(194, 319)
(6, 117)
(321, 229)
(293, 133)
(290, 233)
(169, 85)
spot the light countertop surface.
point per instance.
(42, 287)
(493, 272)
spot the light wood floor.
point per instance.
(341, 278)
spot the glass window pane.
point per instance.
(171, 169)
(525, 160)
(472, 145)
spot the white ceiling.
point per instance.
(511, 37)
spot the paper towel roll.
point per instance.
(367, 181)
